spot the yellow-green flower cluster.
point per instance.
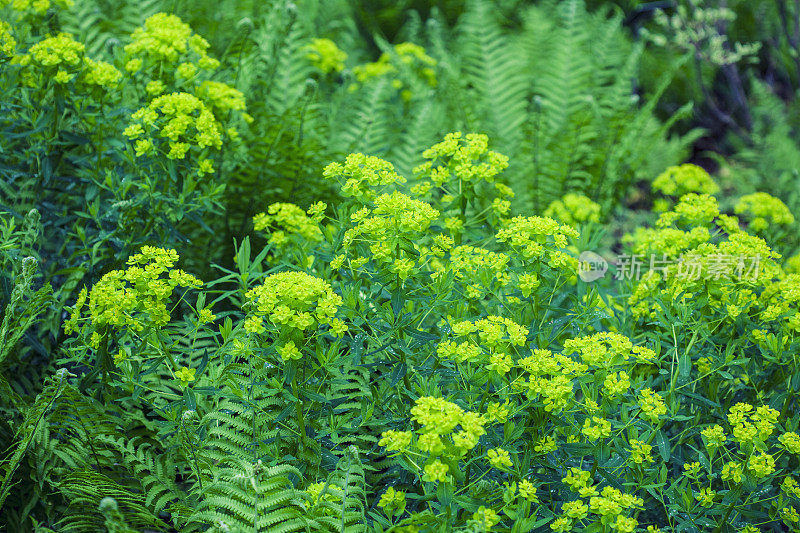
(396, 440)
(761, 465)
(524, 488)
(498, 413)
(790, 516)
(445, 431)
(101, 74)
(461, 352)
(325, 55)
(371, 71)
(478, 268)
(319, 492)
(692, 210)
(531, 236)
(782, 299)
(392, 218)
(616, 384)
(7, 42)
(641, 452)
(138, 296)
(499, 458)
(165, 38)
(714, 436)
(732, 471)
(494, 330)
(405, 64)
(725, 292)
(181, 119)
(527, 283)
(595, 428)
(745, 247)
(791, 442)
(393, 502)
(222, 98)
(186, 71)
(284, 220)
(667, 241)
(36, 7)
(293, 300)
(58, 50)
(361, 174)
(750, 426)
(155, 87)
(706, 497)
(790, 487)
(607, 349)
(409, 52)
(59, 57)
(485, 519)
(436, 471)
(439, 246)
(575, 510)
(205, 315)
(683, 179)
(497, 334)
(461, 158)
(762, 210)
(694, 213)
(651, 405)
(186, 375)
(608, 504)
(550, 380)
(574, 210)
(578, 481)
(290, 351)
(727, 273)
(547, 444)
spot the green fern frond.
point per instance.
(153, 469)
(424, 128)
(493, 75)
(343, 511)
(23, 308)
(84, 490)
(100, 23)
(248, 496)
(365, 124)
(34, 418)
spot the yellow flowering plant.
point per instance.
(325, 55)
(458, 434)
(85, 102)
(34, 10)
(574, 210)
(395, 332)
(678, 180)
(126, 317)
(419, 326)
(166, 41)
(408, 68)
(766, 216)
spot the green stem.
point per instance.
(194, 455)
(724, 520)
(301, 421)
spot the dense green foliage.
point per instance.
(340, 266)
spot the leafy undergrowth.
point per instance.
(420, 352)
